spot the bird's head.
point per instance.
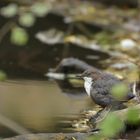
(91, 75)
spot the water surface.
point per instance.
(38, 106)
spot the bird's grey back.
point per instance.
(104, 85)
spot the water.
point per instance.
(38, 106)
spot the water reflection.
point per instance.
(38, 106)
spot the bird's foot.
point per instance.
(100, 115)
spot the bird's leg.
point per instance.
(100, 115)
(93, 119)
(103, 113)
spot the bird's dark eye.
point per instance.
(87, 73)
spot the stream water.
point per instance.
(37, 106)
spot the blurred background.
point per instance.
(37, 35)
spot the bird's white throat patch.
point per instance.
(87, 84)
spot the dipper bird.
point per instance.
(98, 85)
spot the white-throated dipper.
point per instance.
(98, 85)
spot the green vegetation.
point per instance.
(119, 91)
(132, 116)
(19, 36)
(26, 18)
(111, 125)
(3, 76)
(9, 11)
(40, 9)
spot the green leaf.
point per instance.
(111, 125)
(27, 19)
(19, 36)
(9, 11)
(3, 76)
(132, 115)
(40, 9)
(119, 91)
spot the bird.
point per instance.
(98, 85)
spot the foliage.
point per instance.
(119, 91)
(40, 9)
(132, 116)
(26, 18)
(19, 36)
(9, 11)
(111, 125)
(3, 76)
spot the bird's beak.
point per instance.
(79, 76)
